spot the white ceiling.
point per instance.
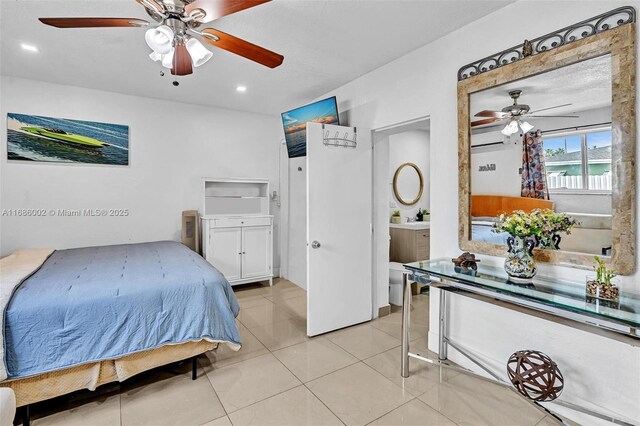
(585, 85)
(325, 43)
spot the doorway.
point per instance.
(405, 144)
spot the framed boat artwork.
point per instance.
(44, 139)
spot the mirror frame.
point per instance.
(619, 42)
(395, 184)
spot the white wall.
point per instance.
(505, 179)
(582, 203)
(411, 146)
(423, 83)
(172, 147)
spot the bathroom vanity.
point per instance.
(409, 241)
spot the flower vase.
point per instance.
(519, 263)
(549, 242)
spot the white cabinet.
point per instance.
(237, 229)
(241, 247)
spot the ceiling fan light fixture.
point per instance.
(160, 39)
(167, 60)
(510, 128)
(199, 54)
(526, 127)
(155, 56)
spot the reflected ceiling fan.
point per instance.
(515, 114)
(174, 35)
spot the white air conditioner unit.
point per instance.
(489, 138)
(492, 137)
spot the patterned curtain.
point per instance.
(534, 175)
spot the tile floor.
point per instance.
(282, 377)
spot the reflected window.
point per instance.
(599, 160)
(579, 161)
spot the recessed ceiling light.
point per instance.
(241, 89)
(29, 47)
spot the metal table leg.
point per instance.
(442, 347)
(406, 310)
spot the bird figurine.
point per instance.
(527, 48)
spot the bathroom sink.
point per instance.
(410, 225)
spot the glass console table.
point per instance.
(560, 298)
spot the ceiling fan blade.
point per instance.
(215, 9)
(483, 122)
(181, 61)
(241, 47)
(93, 22)
(553, 116)
(488, 113)
(553, 107)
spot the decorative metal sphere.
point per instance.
(535, 375)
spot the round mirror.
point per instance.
(408, 184)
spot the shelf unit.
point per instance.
(235, 197)
(238, 229)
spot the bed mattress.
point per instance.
(100, 303)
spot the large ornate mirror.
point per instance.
(555, 130)
(408, 184)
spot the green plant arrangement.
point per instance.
(552, 225)
(395, 216)
(602, 284)
(519, 224)
(421, 214)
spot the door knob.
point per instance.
(315, 245)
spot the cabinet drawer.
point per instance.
(257, 221)
(231, 222)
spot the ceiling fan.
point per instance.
(514, 114)
(173, 36)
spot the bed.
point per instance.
(486, 208)
(79, 318)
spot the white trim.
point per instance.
(229, 180)
(565, 133)
(379, 135)
(561, 191)
(400, 125)
(576, 162)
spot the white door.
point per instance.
(225, 252)
(256, 251)
(339, 214)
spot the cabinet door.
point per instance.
(225, 251)
(422, 245)
(256, 249)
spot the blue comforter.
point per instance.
(97, 303)
(485, 234)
